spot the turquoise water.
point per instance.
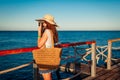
(20, 39)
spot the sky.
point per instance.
(68, 14)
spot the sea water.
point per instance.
(22, 39)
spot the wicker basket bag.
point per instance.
(47, 58)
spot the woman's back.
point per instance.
(49, 43)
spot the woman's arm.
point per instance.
(42, 40)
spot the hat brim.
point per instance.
(53, 23)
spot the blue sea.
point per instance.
(22, 39)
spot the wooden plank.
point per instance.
(101, 73)
(114, 77)
(73, 77)
(105, 71)
(86, 69)
(109, 74)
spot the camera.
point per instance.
(40, 22)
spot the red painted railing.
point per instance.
(23, 50)
(74, 44)
(16, 51)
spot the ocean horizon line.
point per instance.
(59, 30)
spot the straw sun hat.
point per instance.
(49, 18)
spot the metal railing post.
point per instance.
(93, 57)
(36, 75)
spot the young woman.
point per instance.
(47, 31)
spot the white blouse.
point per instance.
(48, 43)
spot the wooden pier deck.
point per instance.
(104, 74)
(101, 73)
